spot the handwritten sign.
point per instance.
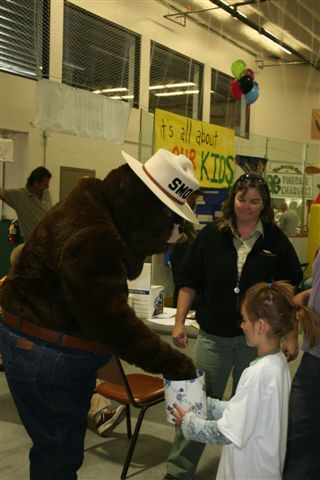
(209, 147)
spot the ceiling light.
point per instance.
(179, 85)
(118, 89)
(172, 85)
(179, 92)
(169, 94)
(241, 14)
(156, 87)
(276, 42)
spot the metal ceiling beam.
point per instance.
(232, 10)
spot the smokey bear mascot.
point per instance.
(64, 302)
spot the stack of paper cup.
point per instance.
(186, 393)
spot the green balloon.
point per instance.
(237, 68)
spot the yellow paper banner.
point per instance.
(209, 147)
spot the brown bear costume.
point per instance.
(70, 283)
(72, 273)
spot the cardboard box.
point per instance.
(148, 303)
(146, 299)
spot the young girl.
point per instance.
(253, 424)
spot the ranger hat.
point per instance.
(170, 177)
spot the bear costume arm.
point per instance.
(96, 291)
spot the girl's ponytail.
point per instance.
(309, 321)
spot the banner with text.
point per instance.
(289, 185)
(210, 147)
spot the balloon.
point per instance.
(250, 72)
(252, 96)
(235, 89)
(237, 68)
(246, 83)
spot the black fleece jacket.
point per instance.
(210, 268)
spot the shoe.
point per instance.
(107, 419)
(168, 476)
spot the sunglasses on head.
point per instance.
(252, 179)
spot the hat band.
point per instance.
(161, 187)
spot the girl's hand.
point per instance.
(178, 413)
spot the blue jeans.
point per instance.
(303, 451)
(52, 388)
(218, 357)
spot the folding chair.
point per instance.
(137, 389)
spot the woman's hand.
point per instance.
(302, 297)
(180, 336)
(178, 413)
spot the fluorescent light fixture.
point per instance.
(156, 87)
(179, 85)
(122, 97)
(241, 14)
(172, 85)
(169, 94)
(118, 89)
(275, 42)
(180, 92)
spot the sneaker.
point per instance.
(107, 419)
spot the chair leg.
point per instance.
(128, 419)
(133, 443)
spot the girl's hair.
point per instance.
(246, 181)
(273, 302)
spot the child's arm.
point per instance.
(197, 429)
(215, 408)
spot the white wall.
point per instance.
(287, 94)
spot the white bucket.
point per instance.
(186, 393)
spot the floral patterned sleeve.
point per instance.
(199, 430)
(215, 408)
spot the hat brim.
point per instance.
(183, 210)
(312, 168)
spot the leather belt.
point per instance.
(51, 336)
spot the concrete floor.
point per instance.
(103, 456)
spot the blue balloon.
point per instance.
(253, 94)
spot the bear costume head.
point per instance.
(71, 275)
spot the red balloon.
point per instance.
(235, 89)
(250, 72)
